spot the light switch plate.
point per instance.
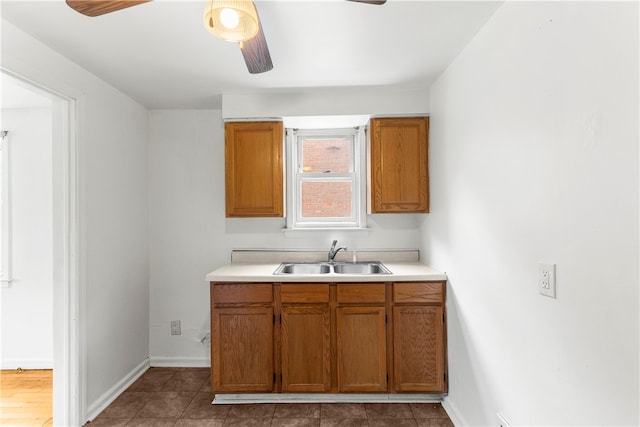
(547, 279)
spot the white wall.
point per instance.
(327, 102)
(189, 235)
(27, 305)
(114, 300)
(534, 157)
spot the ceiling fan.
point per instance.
(254, 49)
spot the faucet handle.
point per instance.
(332, 251)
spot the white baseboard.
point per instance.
(454, 414)
(11, 364)
(180, 362)
(94, 409)
(223, 399)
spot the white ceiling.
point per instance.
(160, 54)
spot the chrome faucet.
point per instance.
(333, 251)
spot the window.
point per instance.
(325, 183)
(5, 220)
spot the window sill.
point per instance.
(297, 232)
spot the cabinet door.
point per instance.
(306, 357)
(418, 346)
(242, 340)
(399, 165)
(361, 345)
(253, 169)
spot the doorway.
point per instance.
(35, 110)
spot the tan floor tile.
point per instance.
(127, 405)
(151, 422)
(166, 404)
(254, 410)
(342, 410)
(295, 422)
(181, 397)
(392, 422)
(434, 422)
(219, 422)
(108, 422)
(247, 422)
(201, 407)
(152, 380)
(388, 410)
(344, 422)
(297, 410)
(187, 380)
(207, 385)
(428, 410)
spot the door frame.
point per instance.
(69, 367)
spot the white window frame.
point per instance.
(295, 178)
(5, 212)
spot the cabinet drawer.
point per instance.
(427, 292)
(361, 292)
(242, 293)
(304, 292)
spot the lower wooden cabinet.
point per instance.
(242, 337)
(305, 337)
(418, 348)
(242, 349)
(419, 338)
(362, 349)
(305, 350)
(328, 337)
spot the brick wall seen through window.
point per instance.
(330, 198)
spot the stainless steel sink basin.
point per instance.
(366, 267)
(303, 268)
(373, 267)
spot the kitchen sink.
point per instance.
(365, 267)
(360, 268)
(303, 268)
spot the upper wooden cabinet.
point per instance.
(399, 165)
(253, 169)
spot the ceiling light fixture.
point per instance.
(231, 20)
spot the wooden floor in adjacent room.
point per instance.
(26, 398)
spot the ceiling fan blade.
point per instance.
(377, 2)
(256, 53)
(100, 7)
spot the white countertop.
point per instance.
(263, 272)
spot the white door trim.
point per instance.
(69, 388)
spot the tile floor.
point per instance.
(181, 397)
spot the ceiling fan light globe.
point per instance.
(231, 20)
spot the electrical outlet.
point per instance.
(547, 279)
(175, 327)
(502, 422)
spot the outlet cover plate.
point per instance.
(175, 327)
(547, 279)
